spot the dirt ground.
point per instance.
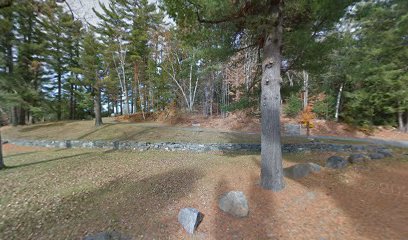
(248, 121)
(67, 194)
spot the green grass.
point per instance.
(143, 132)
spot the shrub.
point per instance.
(242, 103)
(293, 106)
(324, 108)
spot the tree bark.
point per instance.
(14, 117)
(406, 122)
(336, 115)
(305, 89)
(1, 153)
(59, 97)
(401, 126)
(97, 107)
(22, 116)
(71, 102)
(271, 152)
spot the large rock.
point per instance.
(190, 218)
(300, 170)
(336, 162)
(234, 203)
(376, 156)
(385, 151)
(108, 235)
(358, 158)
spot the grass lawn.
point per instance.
(69, 193)
(143, 132)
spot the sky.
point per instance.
(82, 9)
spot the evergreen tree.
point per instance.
(265, 21)
(91, 67)
(376, 60)
(56, 52)
(124, 29)
(28, 70)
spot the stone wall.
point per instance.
(193, 147)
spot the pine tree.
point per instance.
(125, 28)
(266, 22)
(27, 72)
(91, 67)
(376, 60)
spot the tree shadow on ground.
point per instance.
(376, 202)
(137, 207)
(97, 129)
(137, 136)
(19, 154)
(259, 224)
(246, 138)
(42, 126)
(45, 161)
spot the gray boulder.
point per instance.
(358, 148)
(108, 235)
(234, 203)
(190, 218)
(336, 162)
(376, 156)
(300, 170)
(358, 158)
(386, 152)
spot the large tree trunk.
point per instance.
(1, 153)
(271, 152)
(97, 107)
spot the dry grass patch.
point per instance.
(66, 194)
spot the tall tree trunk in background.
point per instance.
(1, 153)
(125, 101)
(406, 122)
(401, 126)
(208, 96)
(97, 106)
(305, 89)
(136, 87)
(336, 114)
(121, 106)
(109, 105)
(71, 102)
(14, 116)
(59, 98)
(22, 116)
(271, 152)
